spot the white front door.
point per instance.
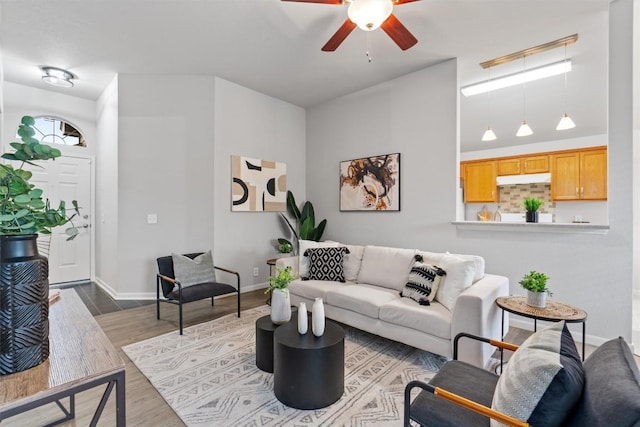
(67, 178)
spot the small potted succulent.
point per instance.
(535, 284)
(280, 299)
(284, 246)
(531, 205)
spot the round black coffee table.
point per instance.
(308, 370)
(264, 343)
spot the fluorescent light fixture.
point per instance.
(489, 135)
(517, 78)
(524, 129)
(57, 77)
(565, 123)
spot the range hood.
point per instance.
(531, 178)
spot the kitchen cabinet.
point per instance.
(523, 164)
(480, 181)
(579, 175)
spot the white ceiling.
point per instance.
(274, 47)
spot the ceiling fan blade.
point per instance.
(338, 2)
(339, 36)
(398, 32)
(397, 2)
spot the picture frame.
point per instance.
(370, 183)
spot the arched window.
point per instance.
(53, 130)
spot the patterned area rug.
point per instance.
(209, 377)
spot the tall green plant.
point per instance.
(22, 209)
(532, 204)
(305, 220)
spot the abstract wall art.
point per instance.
(258, 185)
(370, 183)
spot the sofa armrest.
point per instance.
(290, 261)
(476, 313)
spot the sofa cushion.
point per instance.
(458, 278)
(478, 261)
(312, 289)
(303, 261)
(433, 320)
(386, 267)
(611, 395)
(362, 299)
(194, 271)
(423, 283)
(326, 263)
(352, 260)
(543, 380)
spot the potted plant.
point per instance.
(535, 284)
(305, 219)
(280, 300)
(284, 246)
(531, 205)
(23, 272)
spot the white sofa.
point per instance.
(370, 298)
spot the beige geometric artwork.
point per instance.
(258, 185)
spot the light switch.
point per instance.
(152, 219)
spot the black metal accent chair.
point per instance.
(174, 293)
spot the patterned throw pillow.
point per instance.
(326, 263)
(194, 271)
(423, 283)
(543, 380)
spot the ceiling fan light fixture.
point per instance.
(57, 76)
(369, 14)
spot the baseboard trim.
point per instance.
(152, 295)
(575, 328)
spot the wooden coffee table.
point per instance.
(554, 311)
(308, 370)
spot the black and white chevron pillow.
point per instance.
(326, 263)
(423, 283)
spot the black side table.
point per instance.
(308, 370)
(264, 343)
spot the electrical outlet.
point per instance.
(256, 271)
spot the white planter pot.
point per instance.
(317, 317)
(537, 299)
(303, 320)
(280, 306)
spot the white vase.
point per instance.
(280, 306)
(317, 317)
(537, 299)
(303, 320)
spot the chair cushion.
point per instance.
(463, 379)
(194, 271)
(201, 291)
(326, 263)
(611, 395)
(386, 267)
(423, 283)
(362, 299)
(543, 380)
(312, 289)
(433, 320)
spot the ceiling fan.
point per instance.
(369, 15)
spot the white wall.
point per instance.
(416, 115)
(106, 215)
(248, 123)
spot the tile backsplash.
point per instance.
(512, 197)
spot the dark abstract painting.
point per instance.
(370, 183)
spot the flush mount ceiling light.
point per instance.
(57, 76)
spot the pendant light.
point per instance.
(489, 135)
(565, 122)
(524, 129)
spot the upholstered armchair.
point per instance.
(191, 277)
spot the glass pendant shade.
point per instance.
(565, 123)
(524, 129)
(489, 135)
(369, 14)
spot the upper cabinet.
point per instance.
(480, 181)
(523, 164)
(579, 175)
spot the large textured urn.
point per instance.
(24, 304)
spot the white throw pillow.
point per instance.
(436, 257)
(459, 277)
(303, 261)
(387, 267)
(189, 271)
(352, 260)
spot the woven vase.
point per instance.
(24, 304)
